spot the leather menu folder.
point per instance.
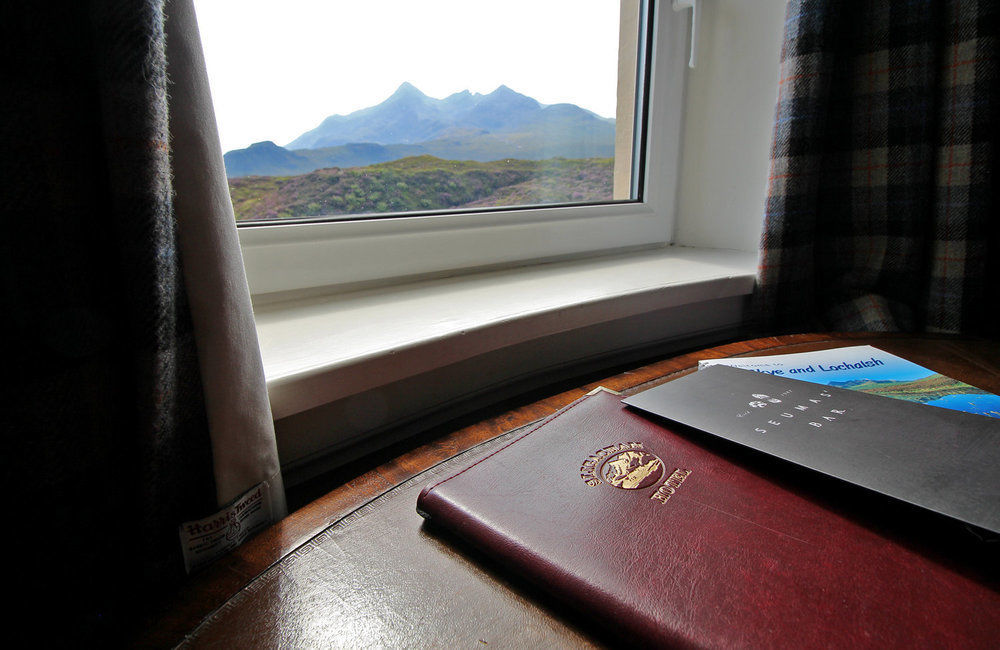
(669, 541)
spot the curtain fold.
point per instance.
(110, 426)
(239, 413)
(881, 211)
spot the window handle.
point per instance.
(681, 5)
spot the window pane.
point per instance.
(360, 109)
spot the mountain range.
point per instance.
(464, 126)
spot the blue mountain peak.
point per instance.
(266, 144)
(409, 117)
(406, 89)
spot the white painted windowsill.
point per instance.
(319, 350)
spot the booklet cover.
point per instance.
(876, 372)
(669, 543)
(943, 460)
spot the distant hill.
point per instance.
(923, 390)
(269, 159)
(464, 126)
(421, 183)
(853, 383)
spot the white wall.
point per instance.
(730, 107)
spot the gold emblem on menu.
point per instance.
(630, 466)
(632, 470)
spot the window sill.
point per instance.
(323, 349)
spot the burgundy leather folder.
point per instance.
(672, 542)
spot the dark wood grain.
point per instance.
(975, 362)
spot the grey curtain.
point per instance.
(882, 208)
(110, 438)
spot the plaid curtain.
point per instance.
(882, 206)
(106, 445)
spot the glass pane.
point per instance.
(358, 109)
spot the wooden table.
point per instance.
(357, 567)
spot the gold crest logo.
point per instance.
(630, 466)
(632, 470)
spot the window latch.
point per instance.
(681, 5)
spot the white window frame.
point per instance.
(292, 257)
(351, 371)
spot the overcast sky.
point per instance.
(277, 68)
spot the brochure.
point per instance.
(876, 372)
(943, 460)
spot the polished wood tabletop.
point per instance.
(357, 567)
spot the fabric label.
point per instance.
(205, 540)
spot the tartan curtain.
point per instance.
(107, 446)
(881, 211)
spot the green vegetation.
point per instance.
(421, 183)
(923, 390)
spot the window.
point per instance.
(345, 366)
(561, 132)
(308, 253)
